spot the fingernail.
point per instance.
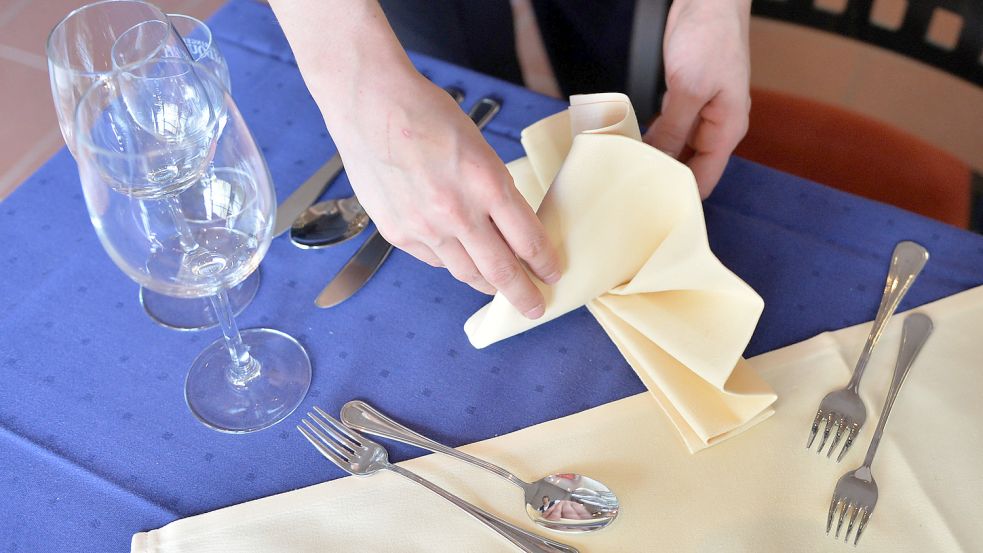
(552, 278)
(535, 312)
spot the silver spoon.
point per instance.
(564, 502)
(334, 221)
(328, 223)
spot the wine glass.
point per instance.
(202, 46)
(80, 49)
(182, 202)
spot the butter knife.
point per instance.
(305, 196)
(375, 250)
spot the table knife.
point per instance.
(356, 272)
(306, 195)
(375, 250)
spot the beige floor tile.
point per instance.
(944, 29)
(831, 6)
(29, 29)
(202, 9)
(888, 14)
(30, 132)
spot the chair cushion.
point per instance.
(856, 154)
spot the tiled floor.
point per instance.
(29, 133)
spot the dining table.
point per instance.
(97, 443)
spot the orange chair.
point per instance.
(857, 154)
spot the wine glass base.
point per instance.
(195, 313)
(282, 383)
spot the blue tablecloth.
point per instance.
(95, 439)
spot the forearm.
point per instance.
(346, 52)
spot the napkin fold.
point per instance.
(628, 222)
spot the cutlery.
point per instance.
(564, 502)
(329, 223)
(360, 456)
(843, 409)
(856, 492)
(356, 272)
(336, 220)
(375, 250)
(306, 195)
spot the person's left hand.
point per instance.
(707, 64)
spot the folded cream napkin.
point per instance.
(628, 222)
(763, 493)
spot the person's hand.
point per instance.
(436, 189)
(705, 110)
(565, 509)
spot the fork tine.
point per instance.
(815, 428)
(826, 431)
(849, 527)
(345, 431)
(832, 509)
(837, 437)
(328, 442)
(335, 430)
(854, 429)
(863, 524)
(331, 455)
(839, 523)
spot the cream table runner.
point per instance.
(762, 493)
(628, 223)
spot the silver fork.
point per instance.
(360, 456)
(856, 491)
(843, 409)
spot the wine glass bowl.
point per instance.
(201, 45)
(79, 50)
(222, 240)
(151, 129)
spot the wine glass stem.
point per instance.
(185, 235)
(244, 367)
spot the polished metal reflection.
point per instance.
(306, 194)
(336, 220)
(855, 495)
(566, 502)
(843, 410)
(328, 223)
(360, 456)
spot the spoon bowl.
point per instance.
(570, 503)
(329, 223)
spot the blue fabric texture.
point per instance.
(96, 442)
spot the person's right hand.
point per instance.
(436, 189)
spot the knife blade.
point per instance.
(356, 272)
(375, 250)
(305, 196)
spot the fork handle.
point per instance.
(917, 328)
(526, 541)
(907, 262)
(362, 416)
